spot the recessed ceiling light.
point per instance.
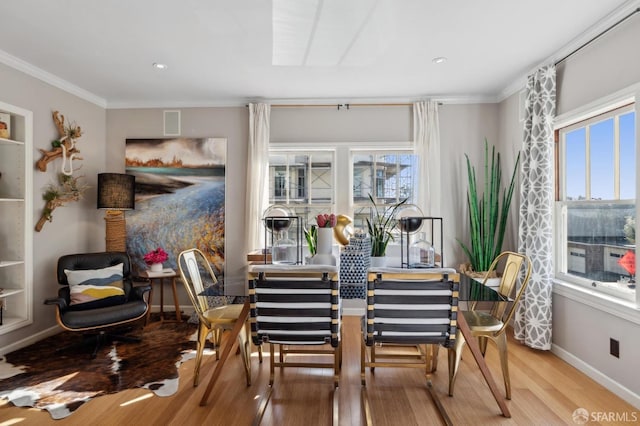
(439, 60)
(159, 66)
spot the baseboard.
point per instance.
(30, 340)
(613, 386)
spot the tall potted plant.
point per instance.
(488, 211)
(380, 226)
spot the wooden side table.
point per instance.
(166, 273)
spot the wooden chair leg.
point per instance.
(436, 401)
(203, 332)
(363, 354)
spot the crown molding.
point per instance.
(51, 79)
(220, 103)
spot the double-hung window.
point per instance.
(596, 207)
(339, 178)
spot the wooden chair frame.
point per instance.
(270, 285)
(420, 313)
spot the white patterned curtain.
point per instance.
(426, 138)
(257, 173)
(535, 237)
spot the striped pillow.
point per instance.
(93, 288)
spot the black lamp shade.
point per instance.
(116, 191)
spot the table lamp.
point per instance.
(116, 193)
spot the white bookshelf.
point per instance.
(16, 194)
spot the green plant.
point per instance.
(487, 216)
(380, 226)
(311, 235)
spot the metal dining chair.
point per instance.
(492, 325)
(195, 271)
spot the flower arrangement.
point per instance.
(156, 256)
(311, 234)
(326, 220)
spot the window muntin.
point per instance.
(389, 176)
(303, 181)
(597, 201)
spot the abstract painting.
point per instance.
(180, 198)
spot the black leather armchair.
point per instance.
(95, 319)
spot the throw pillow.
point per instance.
(94, 288)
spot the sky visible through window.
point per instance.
(602, 165)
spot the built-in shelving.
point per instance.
(16, 271)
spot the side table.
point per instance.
(166, 273)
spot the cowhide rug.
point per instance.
(60, 382)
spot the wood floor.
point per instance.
(545, 391)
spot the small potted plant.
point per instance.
(155, 258)
(322, 239)
(379, 227)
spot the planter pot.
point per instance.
(156, 267)
(491, 282)
(324, 248)
(378, 261)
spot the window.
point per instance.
(388, 176)
(596, 210)
(302, 181)
(309, 182)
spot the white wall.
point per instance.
(604, 67)
(230, 123)
(76, 227)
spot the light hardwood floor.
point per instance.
(545, 391)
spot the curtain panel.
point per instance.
(426, 139)
(257, 194)
(535, 237)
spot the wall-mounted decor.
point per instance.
(68, 188)
(180, 198)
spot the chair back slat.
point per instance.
(194, 270)
(415, 309)
(294, 310)
(512, 274)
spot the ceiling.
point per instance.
(223, 52)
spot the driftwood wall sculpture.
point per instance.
(68, 188)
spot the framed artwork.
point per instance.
(180, 198)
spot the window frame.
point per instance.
(343, 152)
(617, 104)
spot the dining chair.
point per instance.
(492, 324)
(200, 283)
(296, 308)
(410, 313)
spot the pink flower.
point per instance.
(156, 256)
(326, 220)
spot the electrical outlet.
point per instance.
(614, 347)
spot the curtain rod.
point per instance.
(588, 42)
(340, 106)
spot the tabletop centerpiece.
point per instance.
(155, 259)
